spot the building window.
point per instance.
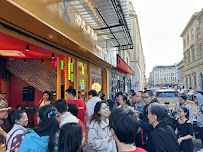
(188, 58)
(192, 34)
(188, 39)
(186, 82)
(184, 43)
(200, 49)
(193, 54)
(195, 81)
(185, 59)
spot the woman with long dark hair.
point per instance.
(184, 130)
(19, 121)
(70, 138)
(99, 135)
(45, 99)
(43, 137)
(124, 103)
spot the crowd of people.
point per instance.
(132, 123)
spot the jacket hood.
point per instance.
(199, 99)
(41, 141)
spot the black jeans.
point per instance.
(201, 134)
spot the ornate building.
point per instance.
(193, 53)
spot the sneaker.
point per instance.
(201, 150)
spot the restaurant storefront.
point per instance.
(51, 45)
(120, 78)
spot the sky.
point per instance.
(161, 22)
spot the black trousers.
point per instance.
(186, 146)
(138, 140)
(201, 134)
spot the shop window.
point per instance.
(96, 78)
(81, 68)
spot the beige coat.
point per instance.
(97, 140)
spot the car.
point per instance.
(169, 97)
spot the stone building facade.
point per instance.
(180, 67)
(193, 52)
(164, 75)
(137, 59)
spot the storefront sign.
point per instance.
(83, 86)
(100, 49)
(87, 29)
(96, 86)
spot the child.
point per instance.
(184, 130)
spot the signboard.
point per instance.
(96, 86)
(82, 86)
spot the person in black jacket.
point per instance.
(162, 138)
(143, 120)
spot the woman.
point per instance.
(124, 103)
(45, 99)
(70, 138)
(184, 130)
(44, 137)
(198, 98)
(99, 135)
(19, 120)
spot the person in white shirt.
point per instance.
(62, 110)
(93, 99)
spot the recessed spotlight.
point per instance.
(27, 48)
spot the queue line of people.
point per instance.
(148, 128)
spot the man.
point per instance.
(146, 128)
(3, 105)
(82, 109)
(162, 138)
(93, 99)
(116, 104)
(123, 124)
(139, 101)
(3, 115)
(62, 110)
(139, 105)
(182, 102)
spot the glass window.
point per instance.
(192, 33)
(200, 49)
(188, 39)
(188, 57)
(195, 81)
(81, 68)
(193, 54)
(96, 78)
(184, 43)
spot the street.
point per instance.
(197, 144)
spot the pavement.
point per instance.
(197, 144)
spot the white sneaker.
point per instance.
(201, 150)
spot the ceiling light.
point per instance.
(27, 48)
